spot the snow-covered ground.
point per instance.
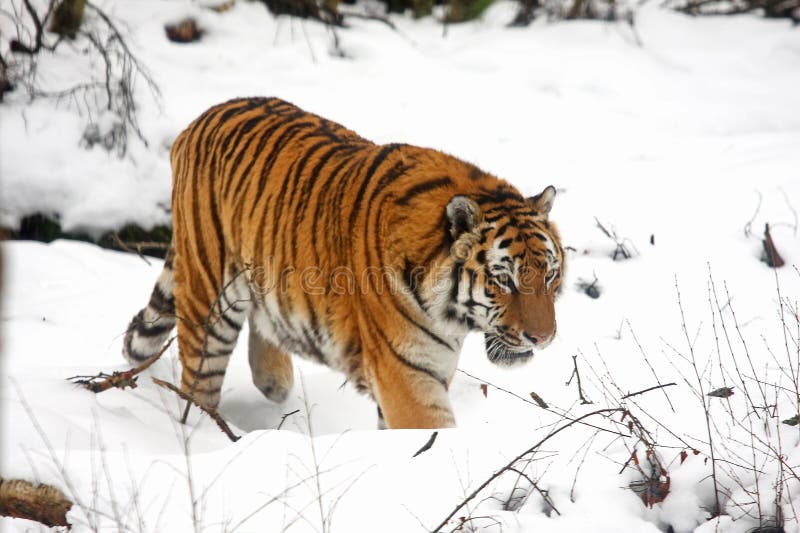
(675, 144)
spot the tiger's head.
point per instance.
(507, 263)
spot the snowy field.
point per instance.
(676, 143)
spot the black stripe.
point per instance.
(303, 198)
(201, 148)
(367, 179)
(216, 221)
(197, 389)
(412, 281)
(350, 181)
(138, 356)
(155, 330)
(388, 177)
(265, 136)
(232, 140)
(425, 330)
(314, 176)
(285, 138)
(204, 373)
(326, 193)
(208, 354)
(161, 302)
(210, 332)
(424, 187)
(405, 361)
(239, 151)
(231, 324)
(290, 226)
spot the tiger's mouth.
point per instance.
(500, 352)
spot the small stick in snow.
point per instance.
(576, 374)
(287, 415)
(771, 255)
(427, 446)
(637, 393)
(207, 410)
(118, 380)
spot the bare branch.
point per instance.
(118, 380)
(632, 394)
(213, 413)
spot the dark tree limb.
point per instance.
(118, 380)
(38, 38)
(34, 501)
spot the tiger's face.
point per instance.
(508, 263)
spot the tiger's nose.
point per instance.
(537, 339)
(534, 339)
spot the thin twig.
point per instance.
(632, 394)
(748, 226)
(577, 375)
(706, 408)
(427, 446)
(647, 362)
(285, 416)
(548, 409)
(118, 380)
(209, 411)
(542, 493)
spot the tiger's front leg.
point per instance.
(411, 398)
(271, 367)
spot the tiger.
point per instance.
(375, 260)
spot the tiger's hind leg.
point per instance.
(207, 333)
(271, 367)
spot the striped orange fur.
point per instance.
(376, 260)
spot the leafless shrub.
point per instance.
(107, 99)
(556, 10)
(770, 8)
(624, 249)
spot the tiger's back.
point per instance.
(331, 246)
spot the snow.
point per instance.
(679, 139)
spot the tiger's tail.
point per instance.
(152, 325)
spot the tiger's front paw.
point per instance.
(274, 388)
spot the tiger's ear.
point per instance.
(543, 202)
(463, 214)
